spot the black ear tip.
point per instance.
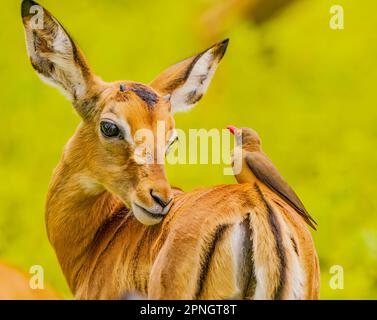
(220, 48)
(225, 42)
(25, 7)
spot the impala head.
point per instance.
(117, 143)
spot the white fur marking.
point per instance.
(67, 76)
(298, 278)
(89, 185)
(127, 131)
(62, 43)
(237, 240)
(198, 81)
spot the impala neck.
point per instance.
(76, 208)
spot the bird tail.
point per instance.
(310, 221)
(304, 214)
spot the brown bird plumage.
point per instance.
(257, 167)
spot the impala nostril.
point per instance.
(159, 200)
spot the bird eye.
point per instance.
(109, 129)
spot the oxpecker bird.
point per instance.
(258, 168)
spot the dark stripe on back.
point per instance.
(275, 228)
(294, 244)
(206, 262)
(248, 268)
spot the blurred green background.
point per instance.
(310, 92)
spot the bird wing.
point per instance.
(266, 172)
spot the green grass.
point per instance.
(308, 90)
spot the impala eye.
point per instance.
(109, 129)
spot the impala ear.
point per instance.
(54, 55)
(188, 80)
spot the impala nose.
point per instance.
(163, 202)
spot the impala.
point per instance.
(117, 225)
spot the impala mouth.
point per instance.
(146, 217)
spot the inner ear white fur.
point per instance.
(56, 59)
(186, 96)
(188, 80)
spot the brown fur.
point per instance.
(212, 244)
(164, 261)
